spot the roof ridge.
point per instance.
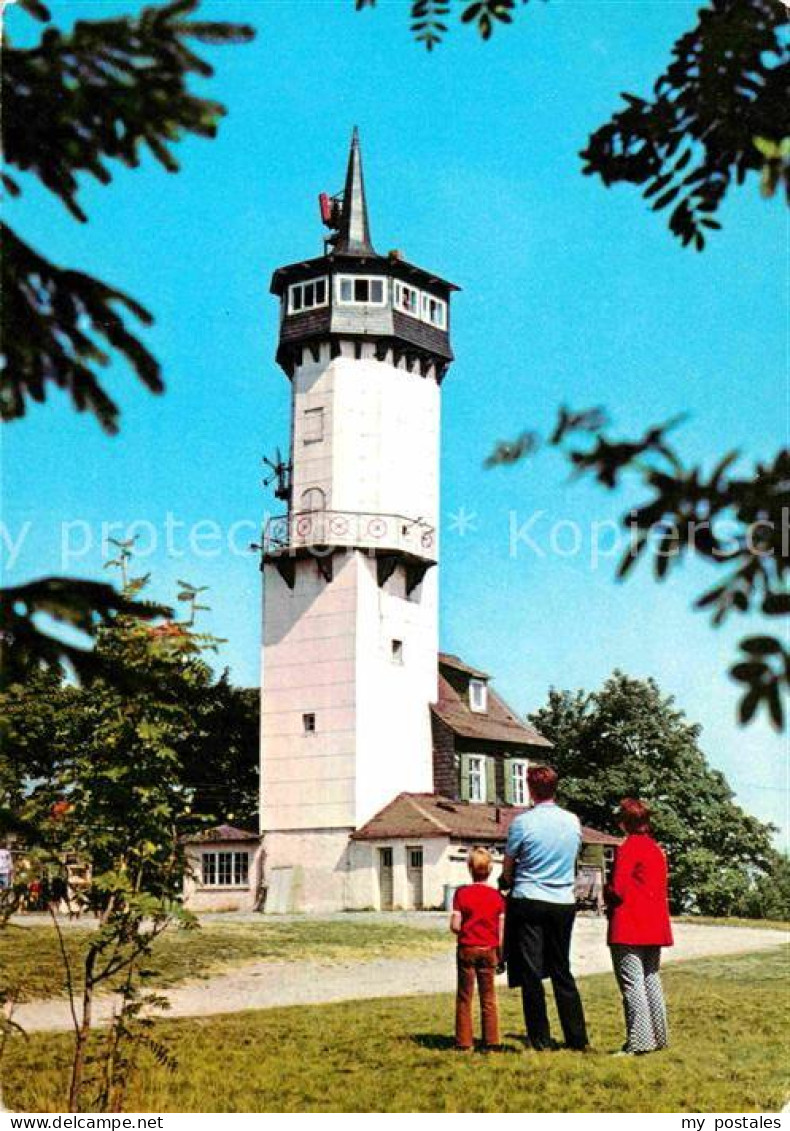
(427, 814)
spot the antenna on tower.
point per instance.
(280, 473)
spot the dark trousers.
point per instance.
(476, 963)
(541, 938)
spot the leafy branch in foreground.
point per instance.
(52, 323)
(687, 514)
(74, 103)
(76, 604)
(718, 112)
(427, 17)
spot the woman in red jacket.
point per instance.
(638, 927)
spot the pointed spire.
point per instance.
(353, 237)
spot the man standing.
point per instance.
(539, 870)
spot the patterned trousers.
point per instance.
(637, 971)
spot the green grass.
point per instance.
(710, 921)
(729, 1054)
(30, 958)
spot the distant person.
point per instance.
(539, 870)
(6, 868)
(639, 926)
(478, 921)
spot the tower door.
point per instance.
(385, 879)
(414, 885)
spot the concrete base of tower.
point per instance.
(307, 871)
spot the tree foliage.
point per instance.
(75, 103)
(629, 740)
(113, 781)
(715, 115)
(719, 111)
(734, 522)
(81, 605)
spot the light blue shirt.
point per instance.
(544, 842)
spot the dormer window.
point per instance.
(478, 695)
(360, 290)
(308, 296)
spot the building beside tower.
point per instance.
(382, 761)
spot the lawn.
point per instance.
(30, 959)
(729, 1054)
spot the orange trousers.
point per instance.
(476, 964)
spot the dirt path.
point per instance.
(264, 985)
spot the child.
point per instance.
(478, 920)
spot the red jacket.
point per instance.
(637, 895)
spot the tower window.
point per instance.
(359, 290)
(308, 722)
(434, 310)
(313, 499)
(407, 299)
(397, 651)
(478, 695)
(313, 430)
(307, 296)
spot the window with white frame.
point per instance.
(407, 299)
(434, 310)
(313, 425)
(518, 783)
(361, 290)
(226, 869)
(478, 695)
(307, 296)
(476, 771)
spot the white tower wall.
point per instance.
(359, 656)
(380, 451)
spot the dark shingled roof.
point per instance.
(498, 723)
(221, 833)
(448, 660)
(422, 815)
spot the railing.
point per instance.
(321, 528)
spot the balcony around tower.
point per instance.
(389, 538)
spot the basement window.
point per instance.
(308, 722)
(360, 290)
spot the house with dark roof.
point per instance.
(412, 853)
(481, 748)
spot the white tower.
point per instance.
(350, 590)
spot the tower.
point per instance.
(350, 620)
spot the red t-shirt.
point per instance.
(481, 908)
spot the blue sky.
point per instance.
(571, 293)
